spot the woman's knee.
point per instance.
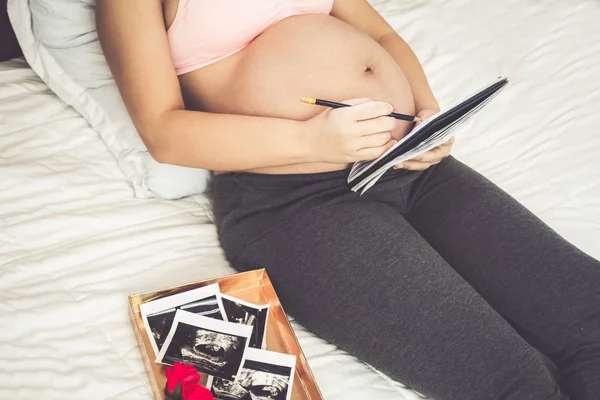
(495, 364)
(528, 377)
(579, 360)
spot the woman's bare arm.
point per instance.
(360, 14)
(135, 44)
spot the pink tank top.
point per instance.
(206, 31)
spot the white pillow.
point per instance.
(60, 42)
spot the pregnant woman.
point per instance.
(435, 276)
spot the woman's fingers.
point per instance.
(450, 142)
(355, 102)
(426, 160)
(431, 156)
(437, 153)
(368, 110)
(375, 140)
(371, 153)
(414, 165)
(376, 125)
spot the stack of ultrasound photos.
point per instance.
(223, 337)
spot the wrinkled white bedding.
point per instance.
(74, 242)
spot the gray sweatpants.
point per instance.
(437, 278)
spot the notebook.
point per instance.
(429, 134)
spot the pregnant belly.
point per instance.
(310, 55)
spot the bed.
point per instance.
(75, 242)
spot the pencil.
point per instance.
(333, 104)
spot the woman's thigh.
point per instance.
(543, 285)
(546, 287)
(358, 275)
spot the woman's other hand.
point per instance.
(360, 132)
(433, 156)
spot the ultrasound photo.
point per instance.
(242, 312)
(158, 315)
(213, 347)
(265, 375)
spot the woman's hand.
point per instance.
(433, 156)
(349, 134)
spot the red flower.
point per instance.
(181, 373)
(196, 392)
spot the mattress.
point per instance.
(74, 242)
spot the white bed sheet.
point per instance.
(74, 242)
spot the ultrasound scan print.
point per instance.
(214, 353)
(257, 381)
(248, 314)
(161, 322)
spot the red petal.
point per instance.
(172, 380)
(183, 374)
(197, 392)
(177, 367)
(186, 374)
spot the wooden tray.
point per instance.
(253, 286)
